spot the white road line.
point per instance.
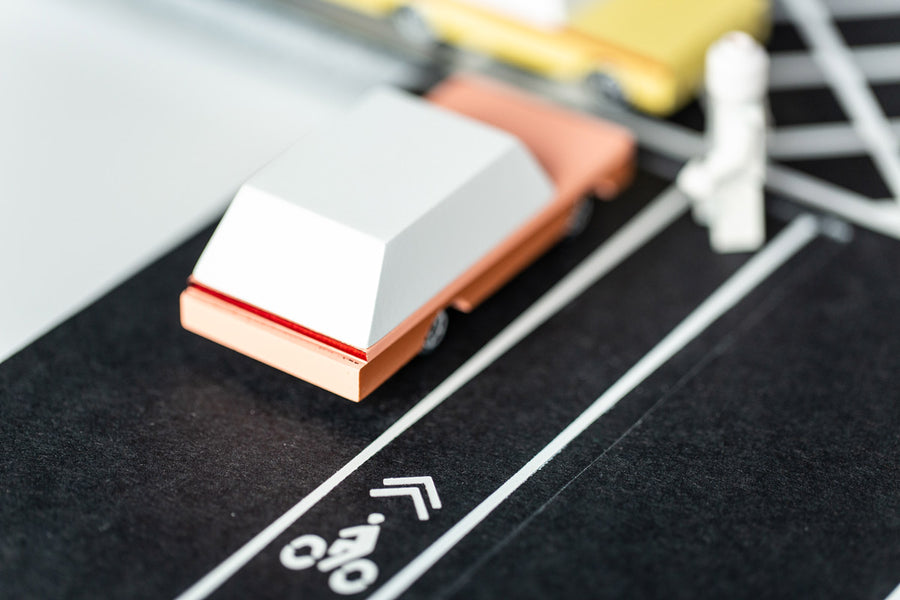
(681, 143)
(819, 140)
(790, 241)
(853, 9)
(653, 219)
(795, 70)
(881, 217)
(849, 85)
(798, 69)
(858, 9)
(895, 595)
(669, 139)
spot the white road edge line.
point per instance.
(880, 217)
(796, 69)
(895, 595)
(819, 140)
(849, 85)
(786, 244)
(822, 140)
(632, 236)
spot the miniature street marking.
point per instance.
(794, 70)
(413, 492)
(786, 244)
(879, 216)
(798, 70)
(820, 140)
(346, 558)
(426, 481)
(853, 9)
(895, 595)
(680, 143)
(849, 85)
(632, 236)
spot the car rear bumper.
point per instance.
(283, 348)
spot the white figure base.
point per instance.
(734, 209)
(740, 223)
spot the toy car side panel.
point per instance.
(513, 256)
(577, 151)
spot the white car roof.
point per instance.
(367, 218)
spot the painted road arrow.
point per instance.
(413, 492)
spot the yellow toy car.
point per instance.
(646, 53)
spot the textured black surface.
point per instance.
(760, 462)
(766, 467)
(874, 30)
(857, 173)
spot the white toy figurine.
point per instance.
(726, 186)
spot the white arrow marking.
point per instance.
(413, 492)
(427, 481)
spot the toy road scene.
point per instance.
(450, 299)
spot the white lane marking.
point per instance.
(681, 143)
(794, 70)
(653, 219)
(790, 241)
(852, 9)
(676, 141)
(425, 481)
(881, 217)
(895, 595)
(849, 85)
(858, 9)
(820, 140)
(798, 70)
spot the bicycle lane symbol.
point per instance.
(351, 573)
(345, 557)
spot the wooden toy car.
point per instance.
(646, 53)
(336, 262)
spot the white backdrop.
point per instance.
(126, 126)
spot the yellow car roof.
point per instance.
(673, 32)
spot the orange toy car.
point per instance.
(337, 261)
